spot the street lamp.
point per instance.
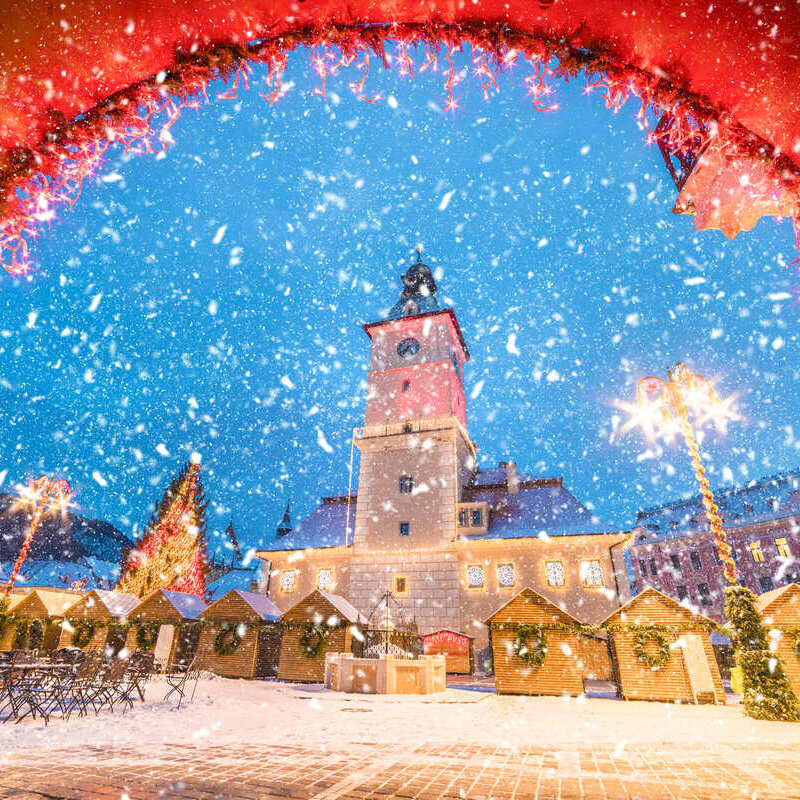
(42, 496)
(663, 408)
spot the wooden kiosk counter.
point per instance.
(539, 649)
(320, 623)
(663, 651)
(242, 637)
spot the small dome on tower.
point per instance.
(419, 292)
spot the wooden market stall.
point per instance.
(320, 623)
(780, 609)
(243, 636)
(536, 647)
(35, 621)
(166, 623)
(457, 648)
(7, 628)
(663, 651)
(98, 621)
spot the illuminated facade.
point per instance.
(451, 542)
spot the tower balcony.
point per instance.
(412, 426)
(473, 519)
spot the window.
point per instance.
(400, 584)
(676, 562)
(477, 518)
(717, 559)
(783, 547)
(591, 573)
(476, 576)
(755, 551)
(683, 592)
(734, 554)
(694, 556)
(405, 529)
(406, 484)
(766, 584)
(554, 573)
(325, 579)
(642, 567)
(704, 593)
(408, 427)
(406, 385)
(505, 575)
(462, 519)
(653, 567)
(288, 580)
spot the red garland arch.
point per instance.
(715, 84)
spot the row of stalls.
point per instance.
(242, 635)
(652, 648)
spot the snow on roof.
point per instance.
(261, 604)
(55, 601)
(535, 510)
(347, 610)
(768, 499)
(241, 579)
(324, 527)
(189, 606)
(498, 475)
(118, 604)
(650, 593)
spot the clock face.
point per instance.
(408, 348)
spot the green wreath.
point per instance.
(640, 641)
(530, 645)
(311, 640)
(227, 640)
(147, 636)
(82, 634)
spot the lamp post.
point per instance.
(43, 496)
(663, 407)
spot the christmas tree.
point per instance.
(172, 552)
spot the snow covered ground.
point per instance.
(228, 712)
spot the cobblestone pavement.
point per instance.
(375, 770)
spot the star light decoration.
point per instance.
(41, 497)
(663, 409)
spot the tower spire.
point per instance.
(285, 526)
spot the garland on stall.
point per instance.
(20, 634)
(227, 640)
(82, 633)
(642, 637)
(311, 640)
(530, 644)
(147, 635)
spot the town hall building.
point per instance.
(449, 541)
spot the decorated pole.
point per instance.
(44, 495)
(661, 408)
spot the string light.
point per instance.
(140, 117)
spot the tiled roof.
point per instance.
(345, 608)
(762, 501)
(189, 606)
(536, 510)
(324, 527)
(497, 475)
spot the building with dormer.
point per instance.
(451, 542)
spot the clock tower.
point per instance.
(416, 454)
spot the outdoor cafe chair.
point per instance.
(179, 678)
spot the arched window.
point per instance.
(406, 385)
(406, 484)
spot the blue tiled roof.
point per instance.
(241, 579)
(497, 475)
(768, 499)
(324, 527)
(537, 510)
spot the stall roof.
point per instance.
(647, 596)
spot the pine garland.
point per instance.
(767, 691)
(147, 635)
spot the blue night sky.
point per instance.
(212, 301)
